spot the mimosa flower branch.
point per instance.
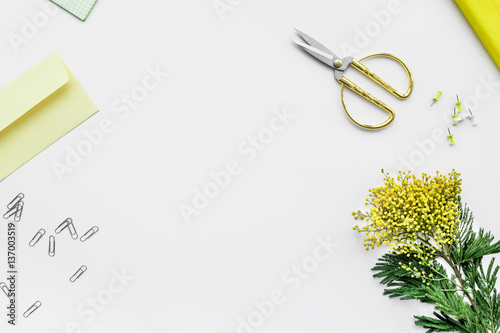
(435, 254)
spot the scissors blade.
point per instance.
(318, 54)
(314, 43)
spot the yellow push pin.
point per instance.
(450, 137)
(436, 98)
(454, 115)
(459, 104)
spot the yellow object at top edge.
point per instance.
(484, 17)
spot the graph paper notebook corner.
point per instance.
(79, 8)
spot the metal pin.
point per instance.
(32, 309)
(19, 211)
(63, 225)
(72, 230)
(14, 201)
(471, 117)
(89, 233)
(11, 211)
(5, 289)
(450, 137)
(436, 98)
(459, 104)
(37, 237)
(78, 273)
(52, 246)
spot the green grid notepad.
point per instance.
(79, 8)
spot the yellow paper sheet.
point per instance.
(37, 109)
(484, 17)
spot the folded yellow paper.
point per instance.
(484, 17)
(37, 109)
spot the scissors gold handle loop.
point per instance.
(358, 90)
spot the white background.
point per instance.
(226, 75)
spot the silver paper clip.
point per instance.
(89, 233)
(37, 237)
(52, 246)
(12, 211)
(19, 211)
(78, 273)
(15, 208)
(63, 225)
(72, 230)
(5, 289)
(16, 200)
(32, 309)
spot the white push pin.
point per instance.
(456, 118)
(471, 117)
(37, 237)
(89, 233)
(32, 309)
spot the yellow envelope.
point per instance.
(37, 109)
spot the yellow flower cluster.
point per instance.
(411, 215)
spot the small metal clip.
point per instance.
(5, 289)
(78, 273)
(89, 233)
(52, 246)
(32, 309)
(12, 211)
(72, 230)
(37, 237)
(63, 225)
(16, 200)
(19, 211)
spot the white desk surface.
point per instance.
(226, 75)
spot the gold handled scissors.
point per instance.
(323, 54)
